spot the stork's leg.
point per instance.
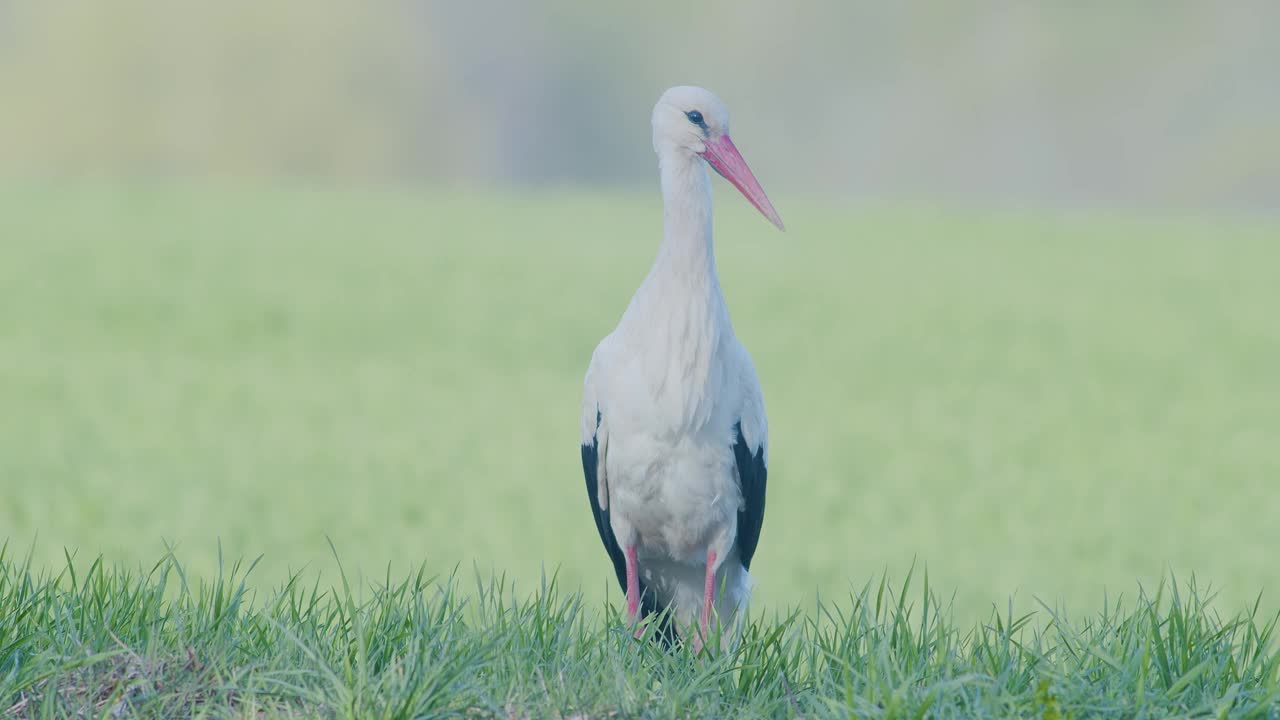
(633, 586)
(708, 595)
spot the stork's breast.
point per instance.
(679, 496)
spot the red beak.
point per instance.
(725, 159)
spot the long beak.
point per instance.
(725, 159)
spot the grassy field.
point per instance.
(106, 642)
(1050, 406)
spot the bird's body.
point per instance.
(673, 427)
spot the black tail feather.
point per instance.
(664, 633)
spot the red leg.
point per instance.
(708, 592)
(633, 585)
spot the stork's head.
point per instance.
(691, 120)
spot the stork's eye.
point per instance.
(695, 117)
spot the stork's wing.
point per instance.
(752, 473)
(591, 467)
(595, 448)
(751, 455)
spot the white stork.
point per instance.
(674, 438)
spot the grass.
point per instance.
(104, 641)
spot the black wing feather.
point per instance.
(752, 475)
(591, 461)
(665, 632)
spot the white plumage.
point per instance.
(674, 435)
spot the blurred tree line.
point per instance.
(1150, 102)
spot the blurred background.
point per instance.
(1146, 103)
(276, 272)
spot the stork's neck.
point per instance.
(686, 250)
(678, 317)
